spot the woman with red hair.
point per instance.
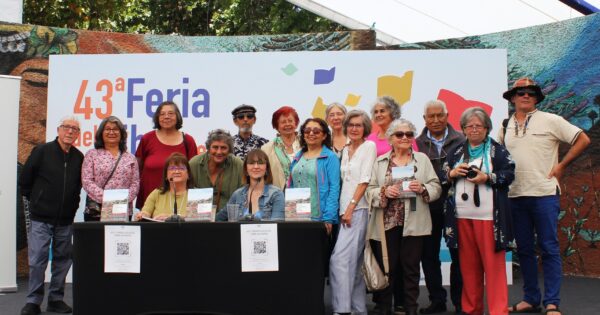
(282, 149)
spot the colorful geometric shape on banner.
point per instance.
(399, 88)
(352, 100)
(319, 109)
(457, 104)
(290, 69)
(324, 76)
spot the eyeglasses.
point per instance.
(474, 127)
(112, 130)
(354, 126)
(402, 134)
(70, 128)
(257, 162)
(314, 131)
(174, 168)
(242, 116)
(529, 92)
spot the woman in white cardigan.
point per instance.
(400, 207)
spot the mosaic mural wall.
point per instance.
(564, 58)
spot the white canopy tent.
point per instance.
(411, 21)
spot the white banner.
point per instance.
(9, 124)
(207, 86)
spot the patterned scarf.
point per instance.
(284, 160)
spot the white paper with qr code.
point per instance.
(260, 251)
(122, 247)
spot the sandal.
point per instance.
(550, 310)
(528, 309)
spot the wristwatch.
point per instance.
(353, 202)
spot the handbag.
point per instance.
(375, 278)
(93, 208)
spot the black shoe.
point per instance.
(58, 307)
(411, 311)
(381, 309)
(434, 307)
(399, 310)
(31, 309)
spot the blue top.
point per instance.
(271, 204)
(328, 184)
(304, 176)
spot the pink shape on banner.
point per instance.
(457, 104)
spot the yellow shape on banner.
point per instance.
(319, 109)
(352, 100)
(397, 87)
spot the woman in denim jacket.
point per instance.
(259, 198)
(317, 167)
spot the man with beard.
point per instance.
(244, 116)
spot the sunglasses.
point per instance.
(529, 92)
(314, 131)
(402, 134)
(242, 116)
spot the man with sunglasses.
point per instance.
(533, 138)
(437, 138)
(244, 117)
(51, 182)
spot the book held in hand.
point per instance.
(297, 204)
(199, 205)
(115, 205)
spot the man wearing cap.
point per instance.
(436, 139)
(533, 138)
(244, 116)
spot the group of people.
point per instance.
(475, 191)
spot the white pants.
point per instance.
(348, 289)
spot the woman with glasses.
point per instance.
(109, 166)
(155, 146)
(176, 180)
(335, 114)
(478, 218)
(283, 148)
(258, 198)
(402, 184)
(348, 289)
(317, 167)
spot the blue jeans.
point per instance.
(538, 217)
(40, 237)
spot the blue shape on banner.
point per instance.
(290, 69)
(323, 76)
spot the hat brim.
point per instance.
(508, 95)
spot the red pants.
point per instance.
(478, 258)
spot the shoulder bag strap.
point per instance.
(113, 170)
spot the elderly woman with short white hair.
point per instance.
(478, 220)
(399, 206)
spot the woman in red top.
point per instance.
(157, 145)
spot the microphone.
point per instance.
(175, 217)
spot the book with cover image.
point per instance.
(402, 176)
(199, 205)
(297, 204)
(114, 205)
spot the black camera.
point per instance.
(472, 172)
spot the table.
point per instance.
(195, 268)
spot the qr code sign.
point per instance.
(260, 247)
(122, 249)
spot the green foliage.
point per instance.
(189, 17)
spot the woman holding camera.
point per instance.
(478, 218)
